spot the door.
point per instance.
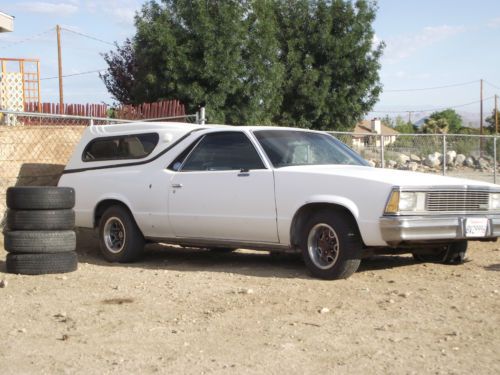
(222, 190)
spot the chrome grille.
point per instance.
(457, 201)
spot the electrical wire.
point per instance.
(433, 88)
(36, 36)
(74, 74)
(88, 36)
(437, 108)
(492, 85)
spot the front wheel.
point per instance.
(454, 253)
(331, 245)
(120, 239)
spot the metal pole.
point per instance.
(495, 160)
(59, 62)
(382, 161)
(444, 155)
(481, 110)
(202, 116)
(496, 113)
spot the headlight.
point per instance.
(406, 202)
(494, 201)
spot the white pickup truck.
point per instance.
(268, 188)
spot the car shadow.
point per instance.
(3, 267)
(242, 262)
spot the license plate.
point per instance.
(476, 227)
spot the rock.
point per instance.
(460, 159)
(391, 164)
(372, 163)
(403, 159)
(413, 166)
(246, 291)
(324, 310)
(3, 283)
(469, 162)
(483, 164)
(433, 160)
(415, 158)
(450, 157)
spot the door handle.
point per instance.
(176, 186)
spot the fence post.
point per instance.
(444, 155)
(91, 121)
(495, 160)
(382, 158)
(202, 116)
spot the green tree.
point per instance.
(491, 121)
(331, 77)
(403, 126)
(290, 62)
(453, 119)
(433, 126)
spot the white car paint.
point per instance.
(222, 205)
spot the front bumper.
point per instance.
(403, 229)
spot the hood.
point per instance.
(389, 176)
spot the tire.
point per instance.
(120, 239)
(40, 264)
(31, 242)
(453, 254)
(40, 198)
(339, 233)
(40, 219)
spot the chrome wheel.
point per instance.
(114, 235)
(323, 246)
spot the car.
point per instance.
(268, 188)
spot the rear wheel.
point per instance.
(331, 245)
(120, 238)
(454, 253)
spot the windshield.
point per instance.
(289, 147)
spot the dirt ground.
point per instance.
(182, 311)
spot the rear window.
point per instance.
(135, 146)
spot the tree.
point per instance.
(331, 78)
(403, 126)
(433, 126)
(491, 121)
(453, 119)
(299, 63)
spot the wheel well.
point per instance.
(301, 216)
(104, 205)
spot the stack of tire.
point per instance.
(39, 235)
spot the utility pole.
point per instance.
(496, 113)
(481, 109)
(59, 61)
(409, 117)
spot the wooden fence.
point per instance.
(161, 109)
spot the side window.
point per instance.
(135, 146)
(222, 152)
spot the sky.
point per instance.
(429, 44)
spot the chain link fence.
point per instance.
(35, 147)
(467, 156)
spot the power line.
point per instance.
(36, 36)
(492, 85)
(435, 109)
(434, 87)
(74, 74)
(88, 36)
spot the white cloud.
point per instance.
(122, 12)
(43, 7)
(494, 23)
(404, 46)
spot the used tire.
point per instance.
(26, 242)
(40, 198)
(39, 264)
(454, 253)
(120, 238)
(331, 245)
(40, 219)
